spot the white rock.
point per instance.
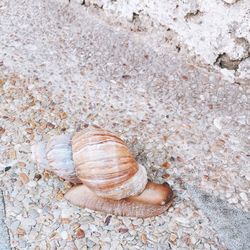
(93, 228)
(66, 213)
(182, 220)
(32, 183)
(126, 221)
(233, 200)
(243, 196)
(33, 234)
(230, 1)
(119, 247)
(64, 235)
(248, 177)
(14, 225)
(217, 123)
(29, 221)
(114, 244)
(138, 222)
(90, 243)
(106, 246)
(17, 210)
(132, 232)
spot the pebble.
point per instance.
(33, 213)
(7, 168)
(32, 184)
(85, 227)
(24, 178)
(166, 165)
(12, 154)
(63, 115)
(126, 221)
(107, 220)
(15, 225)
(118, 247)
(33, 234)
(80, 233)
(96, 247)
(22, 244)
(138, 222)
(133, 232)
(29, 222)
(16, 210)
(66, 213)
(248, 177)
(230, 1)
(173, 237)
(65, 221)
(93, 228)
(182, 220)
(106, 246)
(144, 238)
(122, 230)
(218, 123)
(59, 195)
(2, 130)
(37, 177)
(243, 196)
(114, 244)
(20, 231)
(233, 200)
(90, 243)
(64, 235)
(206, 246)
(165, 176)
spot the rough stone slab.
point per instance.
(216, 40)
(4, 236)
(232, 225)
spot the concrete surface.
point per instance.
(216, 30)
(61, 69)
(232, 225)
(4, 235)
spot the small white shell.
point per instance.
(56, 155)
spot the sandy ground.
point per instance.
(61, 69)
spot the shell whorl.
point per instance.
(104, 164)
(56, 155)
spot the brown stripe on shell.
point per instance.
(105, 181)
(94, 135)
(101, 152)
(102, 159)
(105, 167)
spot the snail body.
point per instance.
(111, 179)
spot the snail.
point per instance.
(107, 175)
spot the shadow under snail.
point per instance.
(108, 177)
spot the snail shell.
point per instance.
(112, 179)
(104, 164)
(56, 155)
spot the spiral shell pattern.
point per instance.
(104, 164)
(56, 155)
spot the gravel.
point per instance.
(61, 69)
